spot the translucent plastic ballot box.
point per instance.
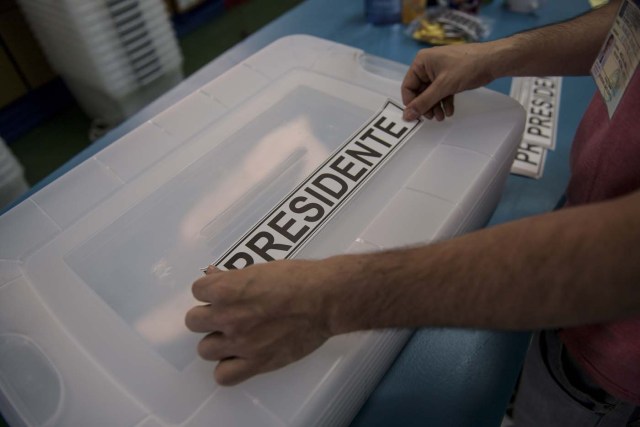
(96, 268)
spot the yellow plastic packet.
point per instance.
(424, 30)
(442, 26)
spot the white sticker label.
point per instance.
(529, 160)
(540, 96)
(302, 213)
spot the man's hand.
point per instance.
(438, 73)
(260, 318)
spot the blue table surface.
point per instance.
(443, 377)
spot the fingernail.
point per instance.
(410, 114)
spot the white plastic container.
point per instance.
(114, 56)
(95, 269)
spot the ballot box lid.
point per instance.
(96, 268)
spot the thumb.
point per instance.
(212, 269)
(424, 102)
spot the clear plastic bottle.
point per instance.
(380, 12)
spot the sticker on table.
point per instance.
(286, 229)
(540, 97)
(529, 160)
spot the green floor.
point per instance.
(45, 148)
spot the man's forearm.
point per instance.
(570, 267)
(566, 48)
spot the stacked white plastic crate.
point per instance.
(115, 55)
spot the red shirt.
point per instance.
(605, 163)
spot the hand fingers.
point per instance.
(429, 114)
(200, 319)
(447, 104)
(428, 99)
(237, 362)
(438, 112)
(232, 371)
(211, 269)
(408, 95)
(202, 287)
(441, 110)
(414, 82)
(215, 346)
